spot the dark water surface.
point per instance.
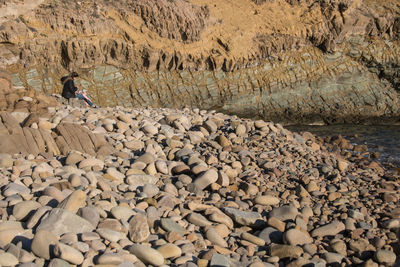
(384, 139)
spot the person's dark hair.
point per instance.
(74, 74)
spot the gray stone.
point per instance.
(26, 256)
(7, 259)
(385, 257)
(58, 263)
(370, 263)
(90, 162)
(6, 161)
(75, 201)
(210, 126)
(215, 238)
(150, 190)
(359, 245)
(205, 179)
(150, 129)
(170, 251)
(297, 237)
(356, 215)
(140, 180)
(37, 216)
(122, 213)
(115, 175)
(183, 152)
(198, 219)
(21, 116)
(247, 218)
(271, 235)
(89, 236)
(68, 253)
(61, 221)
(330, 229)
(43, 244)
(134, 145)
(43, 167)
(171, 226)
(392, 223)
(286, 251)
(110, 235)
(32, 264)
(266, 200)
(146, 158)
(147, 255)
(240, 130)
(14, 250)
(339, 246)
(218, 260)
(128, 264)
(220, 217)
(253, 239)
(74, 180)
(13, 188)
(139, 229)
(73, 158)
(8, 231)
(284, 213)
(223, 179)
(110, 259)
(161, 166)
(350, 224)
(91, 214)
(24, 209)
(332, 257)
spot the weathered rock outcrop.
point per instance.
(178, 20)
(21, 100)
(286, 60)
(10, 9)
(66, 137)
(21, 109)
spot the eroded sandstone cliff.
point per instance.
(293, 60)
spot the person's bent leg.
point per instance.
(89, 102)
(81, 97)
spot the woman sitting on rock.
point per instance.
(71, 91)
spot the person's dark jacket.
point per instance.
(69, 88)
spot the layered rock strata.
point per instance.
(63, 139)
(283, 60)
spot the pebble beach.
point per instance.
(195, 188)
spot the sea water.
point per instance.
(384, 139)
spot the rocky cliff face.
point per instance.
(293, 60)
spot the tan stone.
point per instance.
(74, 202)
(277, 224)
(169, 251)
(253, 239)
(202, 263)
(42, 244)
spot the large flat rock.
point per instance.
(60, 221)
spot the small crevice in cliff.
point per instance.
(65, 60)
